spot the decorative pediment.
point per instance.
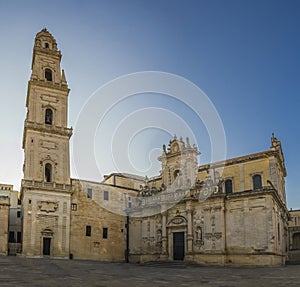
(177, 220)
(47, 232)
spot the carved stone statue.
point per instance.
(199, 233)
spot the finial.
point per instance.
(164, 148)
(63, 77)
(188, 142)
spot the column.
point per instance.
(189, 211)
(164, 233)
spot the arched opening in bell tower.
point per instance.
(48, 75)
(48, 172)
(48, 116)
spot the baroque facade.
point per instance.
(225, 213)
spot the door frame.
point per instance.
(49, 240)
(176, 224)
(47, 233)
(183, 234)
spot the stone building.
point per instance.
(231, 212)
(4, 215)
(14, 219)
(294, 237)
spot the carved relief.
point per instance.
(48, 144)
(49, 98)
(178, 220)
(48, 206)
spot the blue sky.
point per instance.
(243, 54)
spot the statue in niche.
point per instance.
(159, 238)
(199, 236)
(199, 233)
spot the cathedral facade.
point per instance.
(224, 213)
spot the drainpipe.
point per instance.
(127, 240)
(225, 236)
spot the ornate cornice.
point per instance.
(54, 130)
(47, 186)
(47, 84)
(62, 131)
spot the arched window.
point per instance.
(48, 172)
(47, 45)
(296, 241)
(48, 75)
(228, 186)
(48, 116)
(257, 184)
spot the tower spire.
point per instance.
(63, 78)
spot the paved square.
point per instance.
(16, 271)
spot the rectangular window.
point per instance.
(129, 204)
(89, 193)
(105, 232)
(18, 213)
(11, 236)
(74, 206)
(19, 237)
(88, 230)
(105, 195)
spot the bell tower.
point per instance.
(46, 188)
(179, 163)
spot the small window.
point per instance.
(48, 75)
(228, 186)
(47, 45)
(19, 237)
(89, 193)
(105, 195)
(129, 204)
(48, 172)
(105, 232)
(257, 184)
(88, 230)
(48, 117)
(18, 213)
(11, 236)
(74, 206)
(29, 201)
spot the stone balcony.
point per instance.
(53, 186)
(64, 131)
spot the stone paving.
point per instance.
(16, 271)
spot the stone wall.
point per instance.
(4, 214)
(90, 216)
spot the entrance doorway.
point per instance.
(178, 245)
(46, 245)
